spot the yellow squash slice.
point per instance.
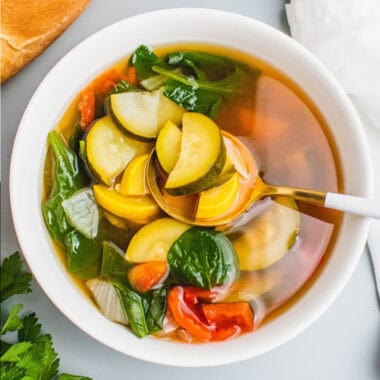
(218, 200)
(133, 181)
(168, 146)
(128, 207)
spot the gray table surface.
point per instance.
(343, 344)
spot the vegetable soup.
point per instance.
(211, 120)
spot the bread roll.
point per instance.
(30, 26)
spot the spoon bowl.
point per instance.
(252, 189)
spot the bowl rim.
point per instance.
(202, 360)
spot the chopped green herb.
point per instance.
(33, 357)
(12, 280)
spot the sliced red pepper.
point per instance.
(226, 333)
(229, 314)
(186, 317)
(87, 109)
(205, 322)
(192, 295)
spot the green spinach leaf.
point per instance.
(225, 86)
(205, 66)
(76, 137)
(143, 59)
(113, 263)
(157, 305)
(68, 176)
(83, 255)
(55, 218)
(133, 304)
(203, 258)
(145, 312)
(194, 100)
(68, 179)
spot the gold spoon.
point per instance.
(178, 207)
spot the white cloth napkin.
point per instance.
(345, 36)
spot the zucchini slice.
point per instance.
(168, 146)
(269, 236)
(202, 156)
(108, 151)
(153, 241)
(142, 114)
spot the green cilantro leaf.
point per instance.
(12, 280)
(7, 372)
(4, 346)
(13, 322)
(33, 357)
(30, 330)
(66, 376)
(15, 351)
(40, 361)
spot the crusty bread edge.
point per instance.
(13, 60)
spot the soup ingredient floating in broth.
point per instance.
(197, 81)
(108, 151)
(203, 258)
(269, 236)
(68, 178)
(170, 135)
(153, 241)
(202, 156)
(142, 114)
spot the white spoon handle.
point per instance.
(353, 205)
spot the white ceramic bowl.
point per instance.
(94, 55)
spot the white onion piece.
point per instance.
(236, 158)
(108, 300)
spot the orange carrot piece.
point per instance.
(131, 76)
(186, 317)
(106, 82)
(144, 276)
(229, 314)
(87, 109)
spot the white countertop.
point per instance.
(343, 344)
